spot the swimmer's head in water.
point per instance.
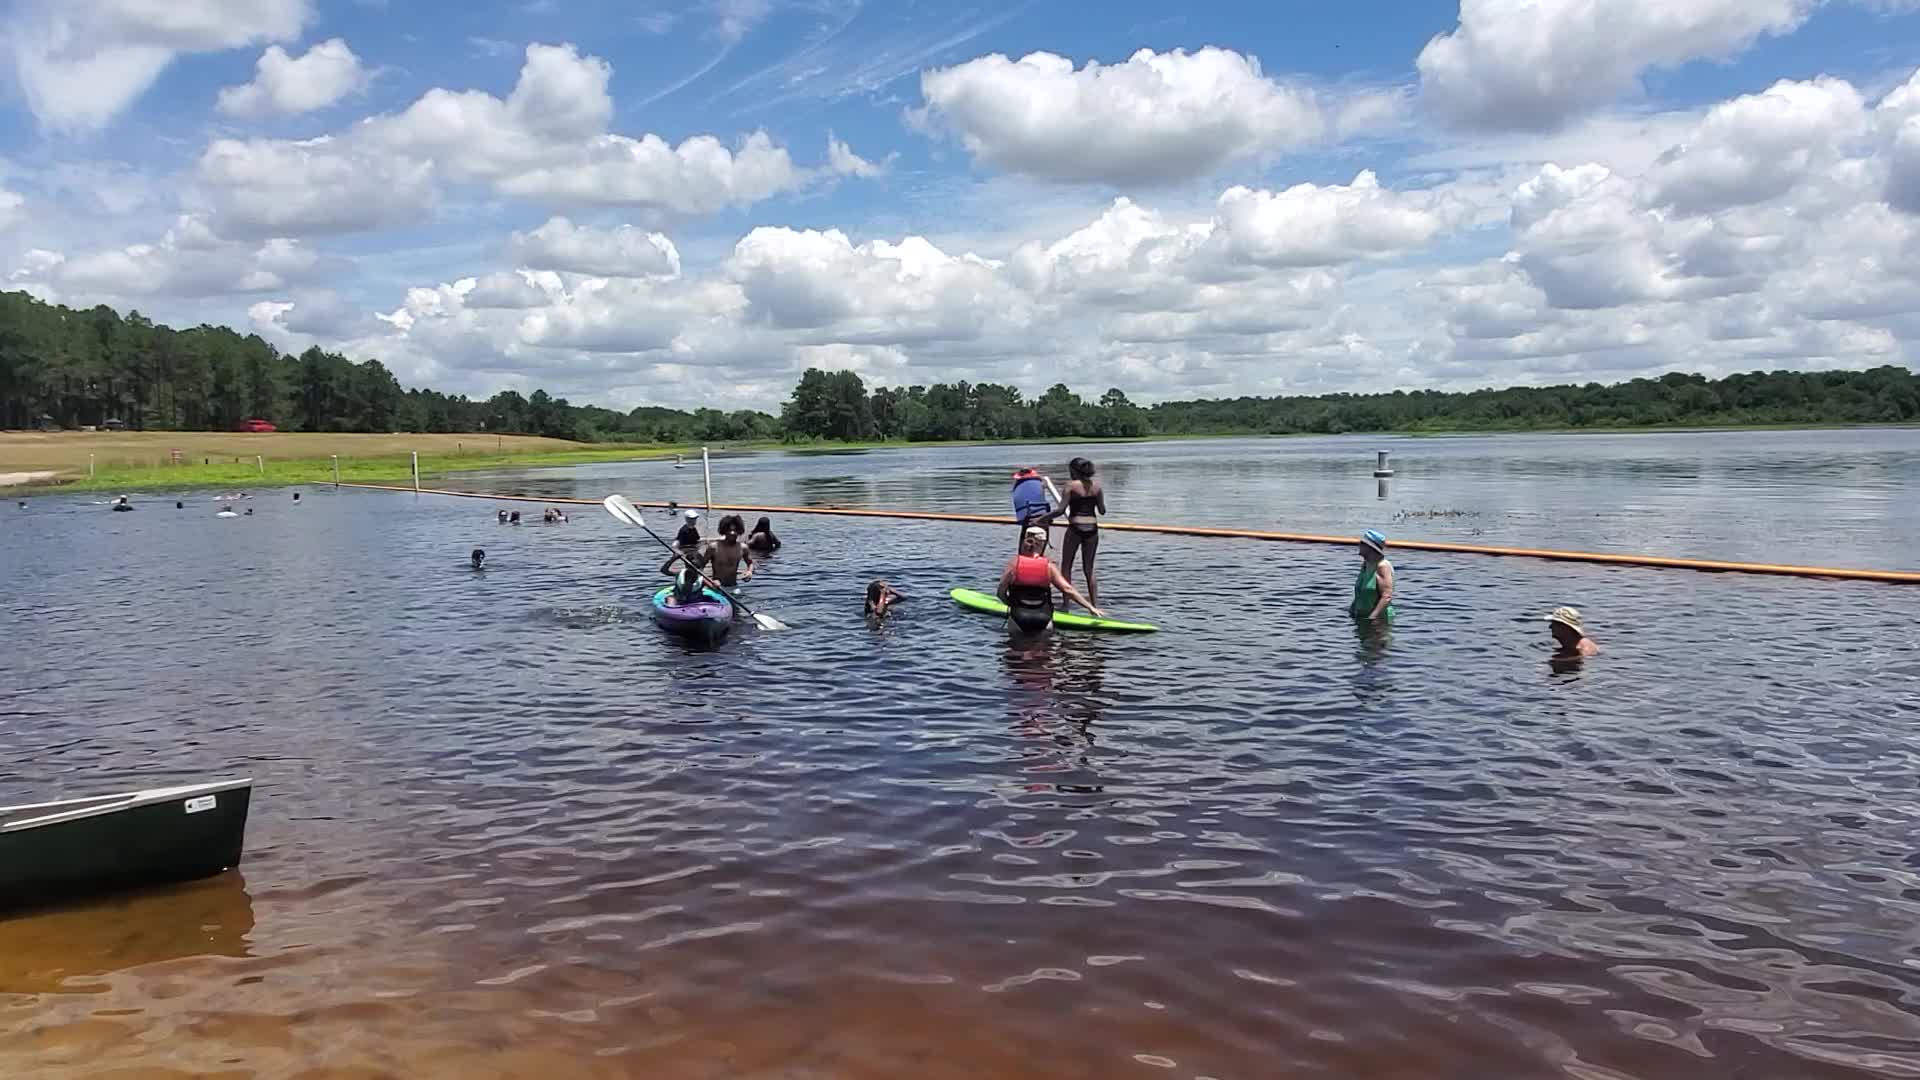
(479, 557)
(1080, 469)
(875, 590)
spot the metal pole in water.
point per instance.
(1380, 466)
(416, 472)
(706, 465)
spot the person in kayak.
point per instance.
(1085, 500)
(881, 597)
(1028, 582)
(689, 534)
(1373, 589)
(761, 539)
(1030, 497)
(1570, 640)
(687, 588)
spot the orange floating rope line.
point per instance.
(1898, 577)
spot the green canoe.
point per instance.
(1072, 620)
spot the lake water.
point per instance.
(504, 828)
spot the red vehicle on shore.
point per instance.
(257, 424)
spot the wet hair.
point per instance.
(733, 525)
(764, 525)
(479, 556)
(296, 496)
(176, 506)
(1080, 469)
(514, 517)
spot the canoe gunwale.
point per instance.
(39, 815)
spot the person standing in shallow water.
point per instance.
(1027, 585)
(1570, 640)
(1373, 589)
(1086, 499)
(689, 534)
(761, 539)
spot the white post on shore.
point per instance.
(416, 472)
(336, 472)
(706, 465)
(89, 466)
(261, 462)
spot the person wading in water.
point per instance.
(1027, 585)
(724, 558)
(1373, 589)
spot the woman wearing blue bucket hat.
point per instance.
(1373, 589)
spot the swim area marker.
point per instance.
(1896, 577)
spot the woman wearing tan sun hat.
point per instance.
(1569, 636)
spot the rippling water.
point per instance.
(504, 828)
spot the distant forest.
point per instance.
(65, 367)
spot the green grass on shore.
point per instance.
(375, 470)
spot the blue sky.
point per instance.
(1279, 198)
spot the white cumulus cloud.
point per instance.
(288, 84)
(1535, 64)
(546, 142)
(619, 252)
(80, 63)
(276, 187)
(1154, 118)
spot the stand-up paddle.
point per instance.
(619, 506)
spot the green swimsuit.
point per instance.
(1366, 593)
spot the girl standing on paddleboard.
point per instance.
(1028, 582)
(1085, 500)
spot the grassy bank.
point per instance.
(320, 470)
(142, 461)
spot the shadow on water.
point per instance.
(66, 949)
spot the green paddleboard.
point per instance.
(1072, 620)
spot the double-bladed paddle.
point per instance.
(621, 507)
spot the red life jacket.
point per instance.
(1032, 571)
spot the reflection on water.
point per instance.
(504, 827)
(69, 949)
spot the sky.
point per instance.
(688, 204)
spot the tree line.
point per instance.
(67, 367)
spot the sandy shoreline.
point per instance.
(18, 479)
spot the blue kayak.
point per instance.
(708, 619)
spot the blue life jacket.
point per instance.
(1029, 498)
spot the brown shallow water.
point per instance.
(504, 829)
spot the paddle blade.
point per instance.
(768, 622)
(621, 507)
